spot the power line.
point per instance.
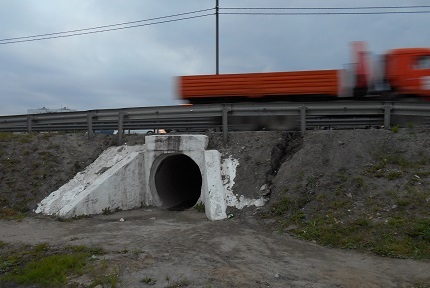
(365, 10)
(323, 13)
(326, 8)
(68, 33)
(356, 11)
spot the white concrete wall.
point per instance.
(113, 181)
(214, 195)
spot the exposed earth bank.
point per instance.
(356, 181)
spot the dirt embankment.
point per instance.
(364, 189)
(32, 166)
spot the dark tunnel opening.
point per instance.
(178, 182)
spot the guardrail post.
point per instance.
(387, 116)
(225, 124)
(120, 127)
(303, 119)
(29, 122)
(90, 125)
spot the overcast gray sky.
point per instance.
(137, 66)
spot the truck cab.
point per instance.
(407, 71)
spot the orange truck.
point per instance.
(400, 73)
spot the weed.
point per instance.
(421, 230)
(9, 136)
(395, 128)
(422, 174)
(399, 160)
(75, 217)
(311, 181)
(107, 211)
(341, 203)
(88, 250)
(321, 197)
(42, 247)
(403, 202)
(200, 207)
(104, 275)
(301, 176)
(77, 166)
(297, 217)
(339, 190)
(137, 252)
(392, 175)
(421, 285)
(377, 167)
(25, 138)
(181, 282)
(6, 265)
(360, 182)
(302, 201)
(282, 207)
(148, 281)
(362, 222)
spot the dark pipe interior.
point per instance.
(178, 182)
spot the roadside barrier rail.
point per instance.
(224, 117)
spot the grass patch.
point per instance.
(384, 239)
(390, 166)
(288, 205)
(47, 266)
(11, 214)
(394, 223)
(51, 271)
(9, 136)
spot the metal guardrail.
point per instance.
(336, 114)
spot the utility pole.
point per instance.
(217, 35)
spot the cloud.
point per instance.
(137, 67)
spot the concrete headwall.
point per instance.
(128, 177)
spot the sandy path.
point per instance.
(184, 245)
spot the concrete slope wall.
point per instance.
(111, 182)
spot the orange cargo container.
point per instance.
(274, 85)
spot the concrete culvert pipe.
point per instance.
(178, 182)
